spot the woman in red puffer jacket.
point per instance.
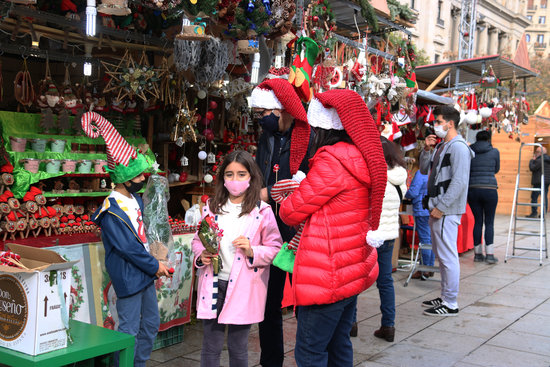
(340, 201)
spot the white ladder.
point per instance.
(541, 233)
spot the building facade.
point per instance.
(537, 34)
(500, 26)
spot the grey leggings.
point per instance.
(213, 337)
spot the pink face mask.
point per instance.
(237, 188)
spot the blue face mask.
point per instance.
(270, 123)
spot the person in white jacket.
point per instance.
(389, 231)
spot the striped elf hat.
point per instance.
(123, 161)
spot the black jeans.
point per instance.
(535, 197)
(483, 203)
(271, 329)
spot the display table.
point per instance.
(89, 341)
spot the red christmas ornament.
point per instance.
(210, 115)
(198, 116)
(183, 176)
(204, 199)
(276, 168)
(208, 134)
(315, 18)
(213, 105)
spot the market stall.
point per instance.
(173, 77)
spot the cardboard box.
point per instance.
(32, 301)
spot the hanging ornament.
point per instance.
(208, 134)
(204, 199)
(202, 155)
(211, 158)
(183, 176)
(201, 94)
(210, 115)
(184, 161)
(213, 106)
(208, 178)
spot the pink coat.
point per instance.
(247, 288)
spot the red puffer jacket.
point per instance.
(333, 260)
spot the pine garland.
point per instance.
(208, 7)
(320, 17)
(367, 12)
(401, 10)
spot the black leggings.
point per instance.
(483, 203)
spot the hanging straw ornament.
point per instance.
(214, 60)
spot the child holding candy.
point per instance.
(232, 283)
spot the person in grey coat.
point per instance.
(448, 165)
(483, 195)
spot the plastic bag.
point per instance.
(193, 215)
(155, 217)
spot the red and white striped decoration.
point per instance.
(118, 149)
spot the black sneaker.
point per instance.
(441, 310)
(433, 303)
(533, 215)
(491, 259)
(479, 258)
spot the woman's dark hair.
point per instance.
(483, 136)
(252, 194)
(328, 137)
(392, 153)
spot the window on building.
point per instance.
(527, 38)
(540, 38)
(530, 4)
(439, 5)
(412, 4)
(542, 19)
(436, 58)
(530, 17)
(543, 4)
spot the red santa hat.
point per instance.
(5, 196)
(30, 195)
(344, 109)
(6, 168)
(279, 94)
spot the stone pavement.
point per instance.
(504, 320)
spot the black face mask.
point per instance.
(270, 123)
(133, 187)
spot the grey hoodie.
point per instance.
(448, 181)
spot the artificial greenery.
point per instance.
(207, 7)
(251, 19)
(400, 10)
(367, 12)
(322, 17)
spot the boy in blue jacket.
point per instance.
(131, 267)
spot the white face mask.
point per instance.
(440, 131)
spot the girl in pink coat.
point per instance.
(249, 244)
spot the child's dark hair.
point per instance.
(392, 154)
(252, 194)
(328, 137)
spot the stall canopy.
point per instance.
(451, 75)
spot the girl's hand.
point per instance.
(206, 257)
(244, 244)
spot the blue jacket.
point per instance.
(417, 190)
(484, 165)
(264, 157)
(128, 263)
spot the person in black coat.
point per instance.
(283, 119)
(535, 167)
(483, 195)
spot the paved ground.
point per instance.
(504, 320)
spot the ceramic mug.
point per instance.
(84, 166)
(69, 165)
(58, 145)
(18, 144)
(53, 165)
(39, 145)
(98, 165)
(31, 164)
